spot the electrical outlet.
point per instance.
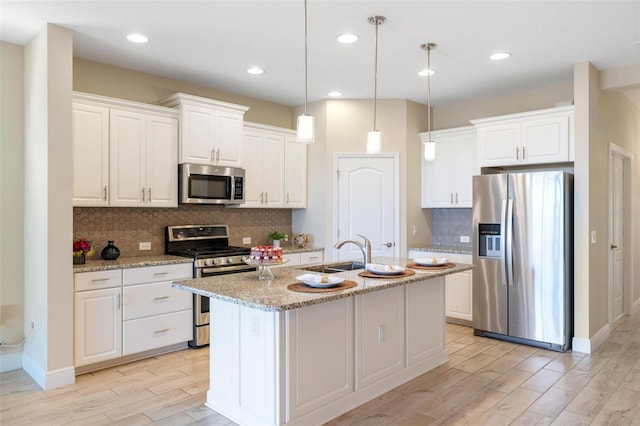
(246, 240)
(144, 246)
(593, 237)
(464, 239)
(414, 230)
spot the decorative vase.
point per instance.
(110, 252)
(78, 259)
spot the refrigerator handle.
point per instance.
(503, 225)
(509, 242)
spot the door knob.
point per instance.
(389, 244)
(613, 246)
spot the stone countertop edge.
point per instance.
(444, 249)
(245, 288)
(292, 249)
(130, 262)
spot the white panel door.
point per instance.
(367, 200)
(499, 145)
(545, 141)
(617, 238)
(253, 169)
(196, 144)
(295, 173)
(273, 179)
(161, 162)
(98, 326)
(128, 135)
(90, 155)
(228, 139)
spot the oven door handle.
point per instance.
(241, 268)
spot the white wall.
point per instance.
(48, 354)
(11, 202)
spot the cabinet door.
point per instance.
(425, 322)
(273, 178)
(253, 169)
(545, 140)
(295, 173)
(379, 335)
(438, 182)
(465, 166)
(127, 150)
(90, 135)
(499, 145)
(459, 295)
(311, 257)
(144, 334)
(161, 162)
(97, 322)
(228, 139)
(197, 135)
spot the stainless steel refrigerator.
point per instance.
(523, 258)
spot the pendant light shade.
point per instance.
(429, 144)
(374, 138)
(305, 125)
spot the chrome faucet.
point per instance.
(365, 248)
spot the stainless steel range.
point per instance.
(209, 247)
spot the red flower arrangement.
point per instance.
(82, 246)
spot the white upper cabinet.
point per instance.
(275, 168)
(210, 130)
(536, 137)
(447, 181)
(90, 155)
(125, 154)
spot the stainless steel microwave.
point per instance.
(203, 184)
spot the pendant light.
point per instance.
(374, 138)
(429, 145)
(305, 121)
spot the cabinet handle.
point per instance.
(149, 192)
(155, 274)
(523, 153)
(287, 198)
(262, 198)
(456, 198)
(314, 257)
(105, 192)
(164, 330)
(451, 196)
(380, 333)
(517, 153)
(118, 301)
(95, 280)
(211, 156)
(143, 195)
(217, 155)
(161, 298)
(266, 198)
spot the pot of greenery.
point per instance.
(276, 237)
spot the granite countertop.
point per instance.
(444, 249)
(293, 249)
(130, 262)
(245, 288)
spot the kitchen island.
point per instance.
(284, 357)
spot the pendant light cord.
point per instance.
(429, 90)
(375, 77)
(305, 58)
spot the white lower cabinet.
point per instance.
(459, 287)
(304, 258)
(122, 312)
(307, 365)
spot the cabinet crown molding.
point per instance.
(123, 104)
(454, 131)
(526, 115)
(248, 125)
(184, 98)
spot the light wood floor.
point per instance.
(485, 382)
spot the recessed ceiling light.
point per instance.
(255, 71)
(334, 94)
(347, 38)
(499, 56)
(424, 72)
(137, 38)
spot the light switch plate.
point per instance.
(464, 239)
(144, 246)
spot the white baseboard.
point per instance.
(10, 361)
(587, 346)
(48, 379)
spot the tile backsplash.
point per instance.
(449, 225)
(129, 226)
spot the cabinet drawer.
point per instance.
(152, 274)
(309, 258)
(145, 300)
(97, 280)
(155, 332)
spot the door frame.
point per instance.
(396, 188)
(627, 247)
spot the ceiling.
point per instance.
(212, 43)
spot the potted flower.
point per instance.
(276, 237)
(81, 249)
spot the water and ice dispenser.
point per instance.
(489, 240)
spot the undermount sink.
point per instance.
(335, 267)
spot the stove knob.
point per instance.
(230, 260)
(217, 261)
(208, 262)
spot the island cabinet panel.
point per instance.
(319, 345)
(425, 327)
(380, 330)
